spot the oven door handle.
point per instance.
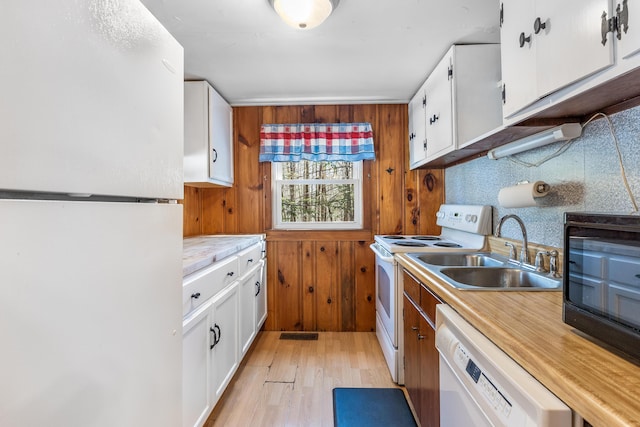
(382, 256)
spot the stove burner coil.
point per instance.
(394, 237)
(426, 238)
(412, 244)
(447, 245)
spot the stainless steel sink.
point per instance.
(485, 271)
(462, 259)
(500, 278)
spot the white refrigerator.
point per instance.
(91, 146)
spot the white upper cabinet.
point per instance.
(628, 35)
(208, 136)
(439, 120)
(459, 101)
(417, 135)
(549, 44)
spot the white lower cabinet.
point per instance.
(261, 296)
(196, 367)
(223, 344)
(220, 328)
(248, 317)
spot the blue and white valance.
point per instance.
(316, 142)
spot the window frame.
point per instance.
(358, 201)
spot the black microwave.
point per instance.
(601, 279)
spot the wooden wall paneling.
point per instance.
(191, 212)
(327, 299)
(391, 136)
(327, 114)
(270, 324)
(345, 113)
(307, 114)
(286, 279)
(365, 292)
(411, 202)
(308, 267)
(347, 286)
(369, 114)
(215, 206)
(248, 170)
(430, 185)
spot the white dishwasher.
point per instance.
(481, 386)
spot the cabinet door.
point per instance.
(439, 120)
(429, 376)
(569, 47)
(224, 347)
(629, 33)
(518, 55)
(412, 353)
(196, 368)
(247, 311)
(261, 296)
(417, 117)
(220, 139)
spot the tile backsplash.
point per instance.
(586, 177)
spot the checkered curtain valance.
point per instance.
(316, 142)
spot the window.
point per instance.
(317, 195)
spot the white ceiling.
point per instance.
(367, 51)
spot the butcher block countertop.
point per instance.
(600, 385)
(201, 251)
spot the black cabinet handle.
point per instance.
(258, 288)
(196, 295)
(216, 335)
(230, 274)
(433, 119)
(524, 39)
(215, 338)
(538, 25)
(215, 155)
(250, 260)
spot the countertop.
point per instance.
(600, 385)
(200, 251)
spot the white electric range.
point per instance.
(464, 228)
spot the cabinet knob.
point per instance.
(524, 39)
(196, 295)
(538, 25)
(421, 337)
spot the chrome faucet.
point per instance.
(524, 253)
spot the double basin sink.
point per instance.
(485, 271)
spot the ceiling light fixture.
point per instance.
(304, 14)
(561, 133)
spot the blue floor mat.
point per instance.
(371, 407)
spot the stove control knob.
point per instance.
(439, 214)
(474, 218)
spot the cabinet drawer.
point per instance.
(411, 287)
(249, 258)
(198, 287)
(428, 302)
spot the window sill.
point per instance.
(288, 235)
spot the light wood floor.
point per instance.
(289, 383)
